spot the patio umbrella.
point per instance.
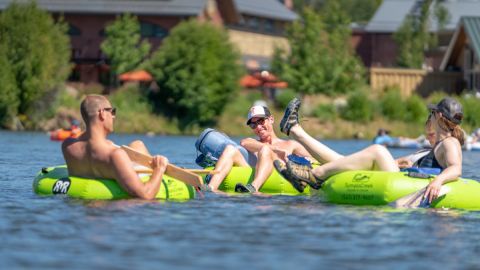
(138, 75)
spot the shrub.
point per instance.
(392, 104)
(359, 108)
(416, 109)
(325, 112)
(471, 111)
(283, 97)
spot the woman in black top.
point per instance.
(446, 154)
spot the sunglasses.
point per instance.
(253, 125)
(112, 110)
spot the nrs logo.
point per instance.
(61, 186)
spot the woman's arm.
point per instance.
(452, 159)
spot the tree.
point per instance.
(197, 71)
(359, 11)
(414, 37)
(37, 52)
(123, 45)
(8, 97)
(320, 59)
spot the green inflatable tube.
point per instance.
(365, 188)
(275, 184)
(55, 180)
(382, 188)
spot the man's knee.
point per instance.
(137, 144)
(265, 152)
(230, 151)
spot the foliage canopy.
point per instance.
(123, 45)
(414, 37)
(35, 54)
(197, 71)
(321, 59)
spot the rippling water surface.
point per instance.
(229, 232)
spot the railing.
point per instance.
(419, 81)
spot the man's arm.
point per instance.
(128, 179)
(251, 145)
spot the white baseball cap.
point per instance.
(257, 111)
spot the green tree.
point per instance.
(37, 51)
(197, 71)
(8, 97)
(320, 59)
(123, 45)
(359, 11)
(414, 37)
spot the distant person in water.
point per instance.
(263, 150)
(445, 155)
(92, 155)
(383, 137)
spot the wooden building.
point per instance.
(463, 53)
(254, 26)
(375, 45)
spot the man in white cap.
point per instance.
(267, 148)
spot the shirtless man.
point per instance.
(93, 156)
(267, 148)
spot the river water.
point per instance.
(236, 232)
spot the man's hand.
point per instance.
(404, 163)
(159, 163)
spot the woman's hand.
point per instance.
(433, 190)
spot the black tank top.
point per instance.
(429, 160)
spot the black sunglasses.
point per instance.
(112, 110)
(253, 125)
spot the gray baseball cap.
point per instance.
(450, 109)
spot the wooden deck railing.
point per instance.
(419, 81)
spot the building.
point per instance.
(463, 53)
(375, 44)
(256, 27)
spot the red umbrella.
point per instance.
(264, 78)
(138, 75)
(250, 81)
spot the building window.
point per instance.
(73, 30)
(268, 26)
(152, 30)
(253, 23)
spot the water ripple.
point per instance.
(237, 232)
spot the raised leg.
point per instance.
(231, 156)
(373, 157)
(139, 146)
(318, 150)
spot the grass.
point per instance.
(320, 116)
